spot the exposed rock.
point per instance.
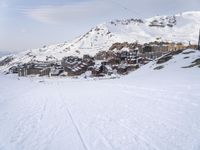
(168, 56)
(6, 61)
(159, 67)
(103, 55)
(164, 59)
(194, 63)
(162, 22)
(127, 22)
(188, 52)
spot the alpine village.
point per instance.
(120, 59)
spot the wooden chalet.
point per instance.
(74, 66)
(127, 55)
(13, 69)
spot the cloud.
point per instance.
(82, 11)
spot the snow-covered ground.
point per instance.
(146, 110)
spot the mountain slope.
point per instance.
(182, 27)
(182, 66)
(146, 110)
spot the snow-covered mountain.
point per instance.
(182, 27)
(176, 65)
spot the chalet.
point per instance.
(45, 72)
(22, 72)
(172, 46)
(180, 46)
(56, 71)
(88, 60)
(114, 61)
(103, 55)
(97, 71)
(101, 70)
(104, 63)
(104, 69)
(119, 46)
(122, 69)
(125, 55)
(133, 67)
(154, 50)
(125, 45)
(75, 66)
(192, 46)
(13, 69)
(147, 49)
(37, 68)
(135, 60)
(70, 62)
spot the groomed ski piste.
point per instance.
(146, 110)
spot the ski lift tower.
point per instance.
(199, 41)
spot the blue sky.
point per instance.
(27, 24)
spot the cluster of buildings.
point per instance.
(37, 68)
(121, 58)
(103, 63)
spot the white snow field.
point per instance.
(146, 110)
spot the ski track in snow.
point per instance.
(100, 115)
(68, 113)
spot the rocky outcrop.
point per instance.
(6, 60)
(169, 21)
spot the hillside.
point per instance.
(182, 66)
(178, 28)
(150, 109)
